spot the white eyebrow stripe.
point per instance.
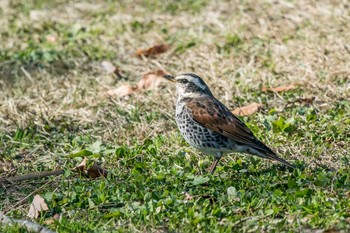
(192, 80)
(198, 83)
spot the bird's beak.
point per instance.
(170, 78)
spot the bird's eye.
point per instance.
(184, 81)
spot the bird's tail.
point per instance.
(265, 152)
(260, 149)
(273, 156)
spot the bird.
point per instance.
(209, 126)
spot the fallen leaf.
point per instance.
(280, 88)
(38, 205)
(121, 91)
(49, 221)
(152, 51)
(81, 166)
(247, 110)
(94, 171)
(151, 80)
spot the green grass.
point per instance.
(54, 111)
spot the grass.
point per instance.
(54, 111)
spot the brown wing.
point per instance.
(212, 114)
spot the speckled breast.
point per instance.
(200, 137)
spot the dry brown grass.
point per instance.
(305, 42)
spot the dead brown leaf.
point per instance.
(121, 91)
(151, 80)
(49, 221)
(37, 206)
(280, 88)
(81, 166)
(94, 171)
(247, 110)
(152, 51)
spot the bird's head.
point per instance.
(189, 85)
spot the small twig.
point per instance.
(29, 225)
(30, 176)
(93, 172)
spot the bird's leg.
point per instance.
(213, 166)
